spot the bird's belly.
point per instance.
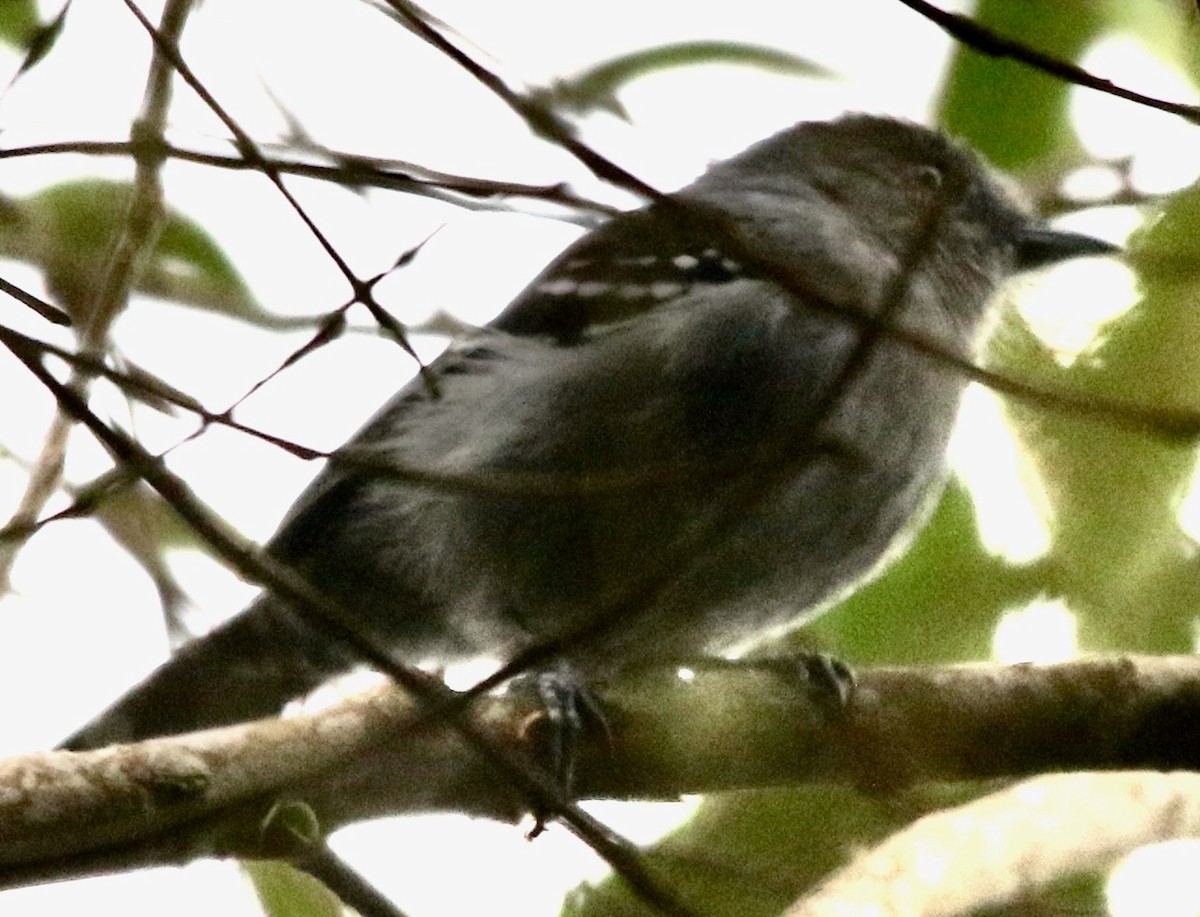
(668, 575)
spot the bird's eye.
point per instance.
(928, 177)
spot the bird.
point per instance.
(701, 425)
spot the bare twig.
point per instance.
(353, 890)
(362, 289)
(1174, 424)
(37, 304)
(352, 172)
(540, 119)
(546, 124)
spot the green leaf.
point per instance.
(41, 40)
(68, 230)
(18, 22)
(596, 88)
(752, 853)
(286, 892)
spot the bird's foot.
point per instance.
(830, 682)
(569, 714)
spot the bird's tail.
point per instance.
(246, 669)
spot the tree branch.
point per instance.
(1010, 843)
(354, 172)
(227, 792)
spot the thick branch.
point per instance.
(725, 726)
(1011, 843)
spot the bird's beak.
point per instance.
(1038, 246)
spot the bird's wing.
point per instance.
(601, 281)
(625, 268)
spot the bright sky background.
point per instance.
(357, 82)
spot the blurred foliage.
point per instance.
(1011, 113)
(1017, 116)
(19, 23)
(1118, 555)
(19, 26)
(146, 527)
(596, 88)
(286, 892)
(733, 860)
(68, 230)
(1073, 896)
(916, 613)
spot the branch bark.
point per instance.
(1009, 843)
(242, 791)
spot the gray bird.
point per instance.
(700, 425)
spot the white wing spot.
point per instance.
(665, 289)
(560, 287)
(685, 262)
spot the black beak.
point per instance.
(1038, 246)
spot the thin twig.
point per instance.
(548, 126)
(47, 311)
(274, 787)
(352, 172)
(347, 883)
(362, 289)
(540, 119)
(530, 484)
